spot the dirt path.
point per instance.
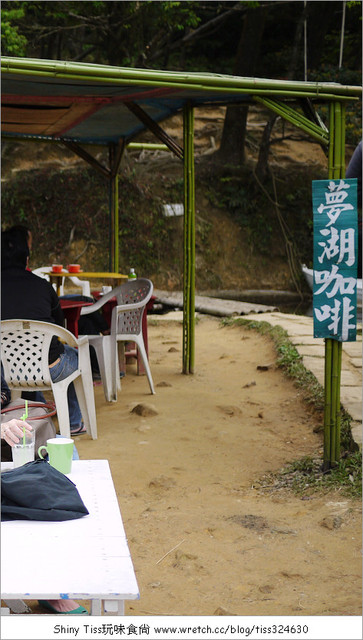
(203, 539)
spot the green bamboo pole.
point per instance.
(342, 173)
(113, 227)
(191, 182)
(341, 116)
(333, 348)
(327, 403)
(338, 167)
(296, 119)
(206, 87)
(149, 146)
(334, 401)
(186, 252)
(335, 372)
(339, 112)
(328, 362)
(331, 143)
(337, 407)
(115, 264)
(110, 222)
(189, 243)
(61, 69)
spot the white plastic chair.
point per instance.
(24, 355)
(40, 272)
(83, 284)
(126, 326)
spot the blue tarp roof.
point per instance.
(87, 103)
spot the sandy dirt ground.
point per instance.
(188, 464)
(186, 477)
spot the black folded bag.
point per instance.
(37, 491)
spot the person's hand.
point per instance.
(12, 431)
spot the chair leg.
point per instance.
(84, 390)
(140, 343)
(61, 403)
(102, 347)
(85, 396)
(114, 367)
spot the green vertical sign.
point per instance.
(335, 258)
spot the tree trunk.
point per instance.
(232, 148)
(262, 168)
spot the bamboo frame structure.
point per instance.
(178, 79)
(189, 90)
(297, 119)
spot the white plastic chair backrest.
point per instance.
(40, 271)
(131, 302)
(103, 299)
(24, 351)
(83, 284)
(134, 292)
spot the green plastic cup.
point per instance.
(60, 451)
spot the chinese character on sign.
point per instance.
(335, 258)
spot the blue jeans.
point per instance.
(67, 364)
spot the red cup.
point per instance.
(57, 268)
(74, 268)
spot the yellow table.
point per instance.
(107, 277)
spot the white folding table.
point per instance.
(83, 559)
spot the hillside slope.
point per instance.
(248, 235)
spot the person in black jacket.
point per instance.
(24, 295)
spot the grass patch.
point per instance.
(305, 475)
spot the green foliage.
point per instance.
(13, 43)
(246, 205)
(57, 207)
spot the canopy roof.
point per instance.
(98, 104)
